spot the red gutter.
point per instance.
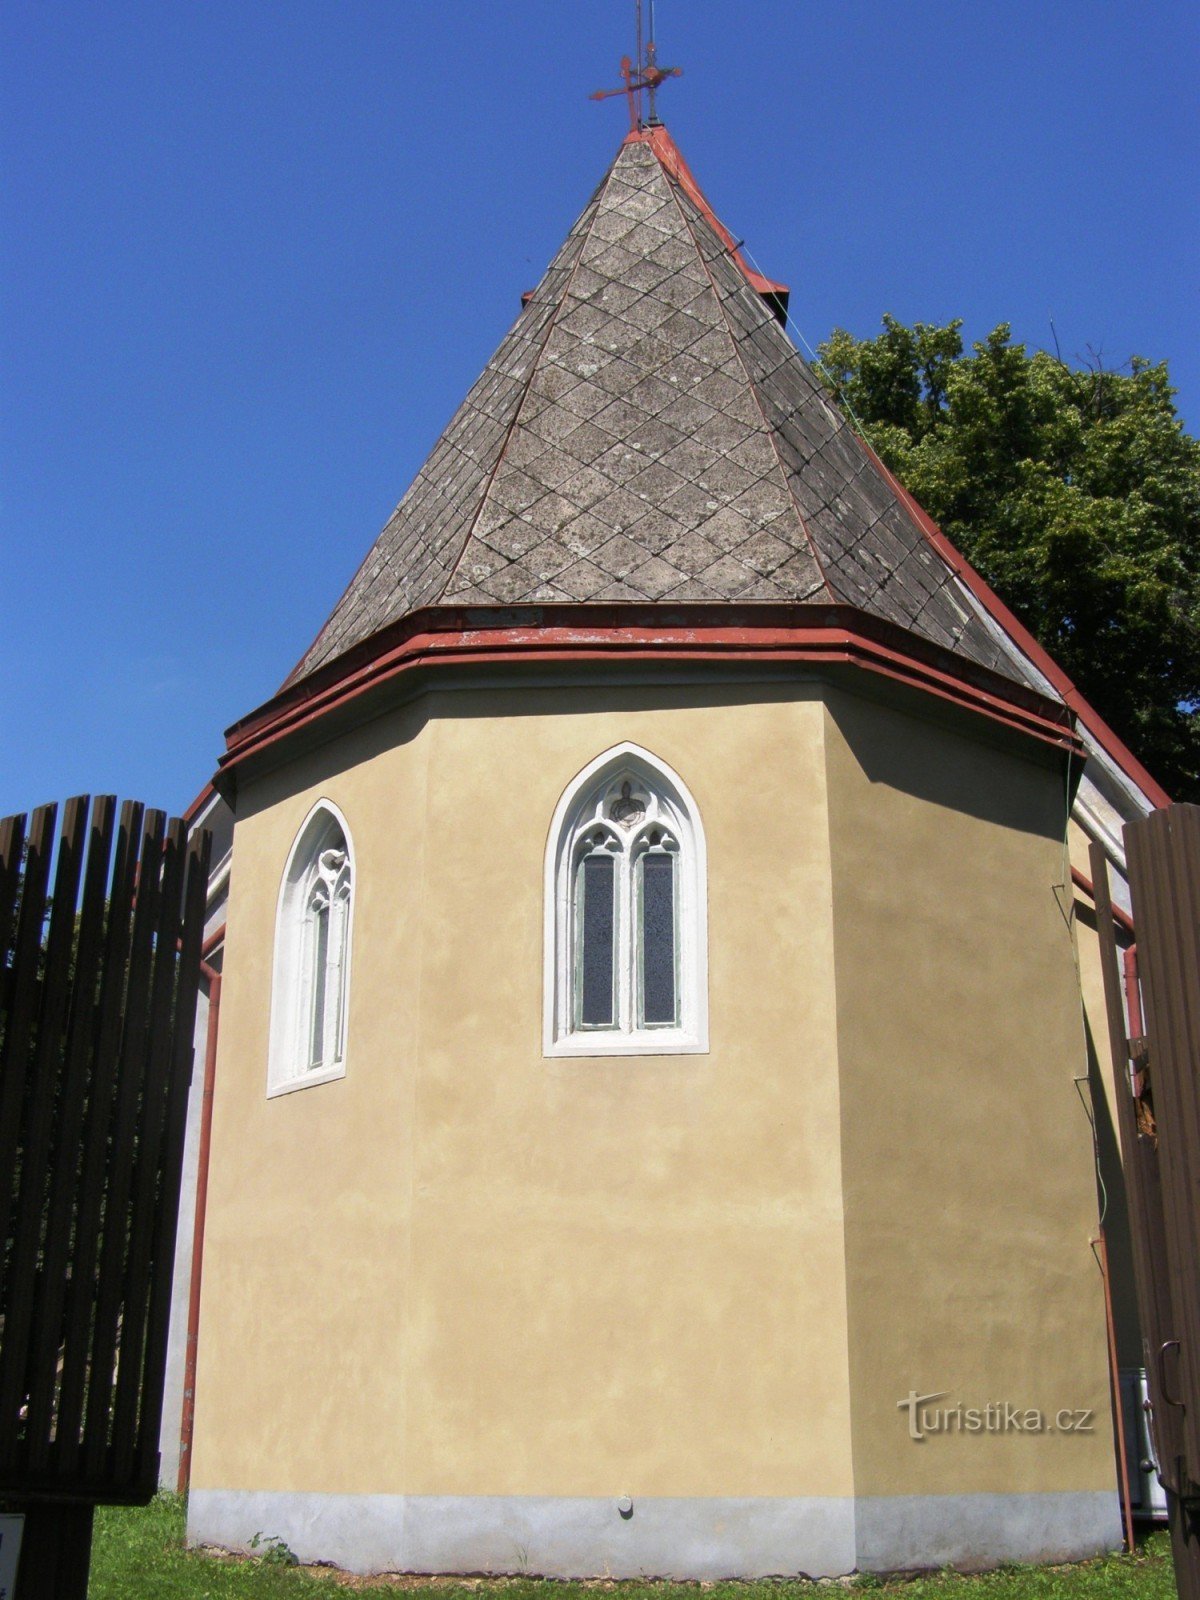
(187, 1423)
(668, 153)
(198, 804)
(441, 637)
(991, 601)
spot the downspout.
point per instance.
(188, 1418)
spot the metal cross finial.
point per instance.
(645, 77)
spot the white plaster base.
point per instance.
(577, 1537)
(899, 1533)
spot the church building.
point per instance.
(650, 1127)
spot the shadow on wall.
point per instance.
(947, 760)
(342, 742)
(1113, 1210)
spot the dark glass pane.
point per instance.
(597, 926)
(658, 938)
(319, 979)
(343, 909)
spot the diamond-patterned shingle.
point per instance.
(648, 432)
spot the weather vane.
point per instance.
(645, 77)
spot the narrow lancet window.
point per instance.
(596, 927)
(311, 980)
(319, 976)
(329, 901)
(341, 905)
(657, 976)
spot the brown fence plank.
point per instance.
(12, 842)
(1164, 854)
(48, 1328)
(1139, 1156)
(182, 1042)
(81, 1292)
(152, 1123)
(12, 850)
(20, 1040)
(28, 1284)
(18, 1031)
(106, 1336)
(1180, 1131)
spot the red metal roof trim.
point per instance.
(198, 804)
(668, 153)
(447, 636)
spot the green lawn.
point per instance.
(139, 1555)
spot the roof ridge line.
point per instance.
(871, 465)
(670, 158)
(551, 323)
(787, 483)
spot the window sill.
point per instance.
(308, 1081)
(656, 1042)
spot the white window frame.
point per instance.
(587, 806)
(289, 1065)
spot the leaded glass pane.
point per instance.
(596, 930)
(658, 939)
(320, 916)
(339, 1034)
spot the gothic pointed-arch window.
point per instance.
(626, 926)
(311, 980)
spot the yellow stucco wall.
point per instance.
(966, 1153)
(467, 1269)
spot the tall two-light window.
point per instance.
(311, 982)
(626, 914)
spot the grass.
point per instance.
(140, 1555)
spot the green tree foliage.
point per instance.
(1075, 492)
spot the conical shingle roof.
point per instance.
(647, 432)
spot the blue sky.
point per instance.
(253, 255)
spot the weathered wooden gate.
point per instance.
(1157, 1082)
(98, 985)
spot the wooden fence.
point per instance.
(98, 982)
(1157, 1083)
